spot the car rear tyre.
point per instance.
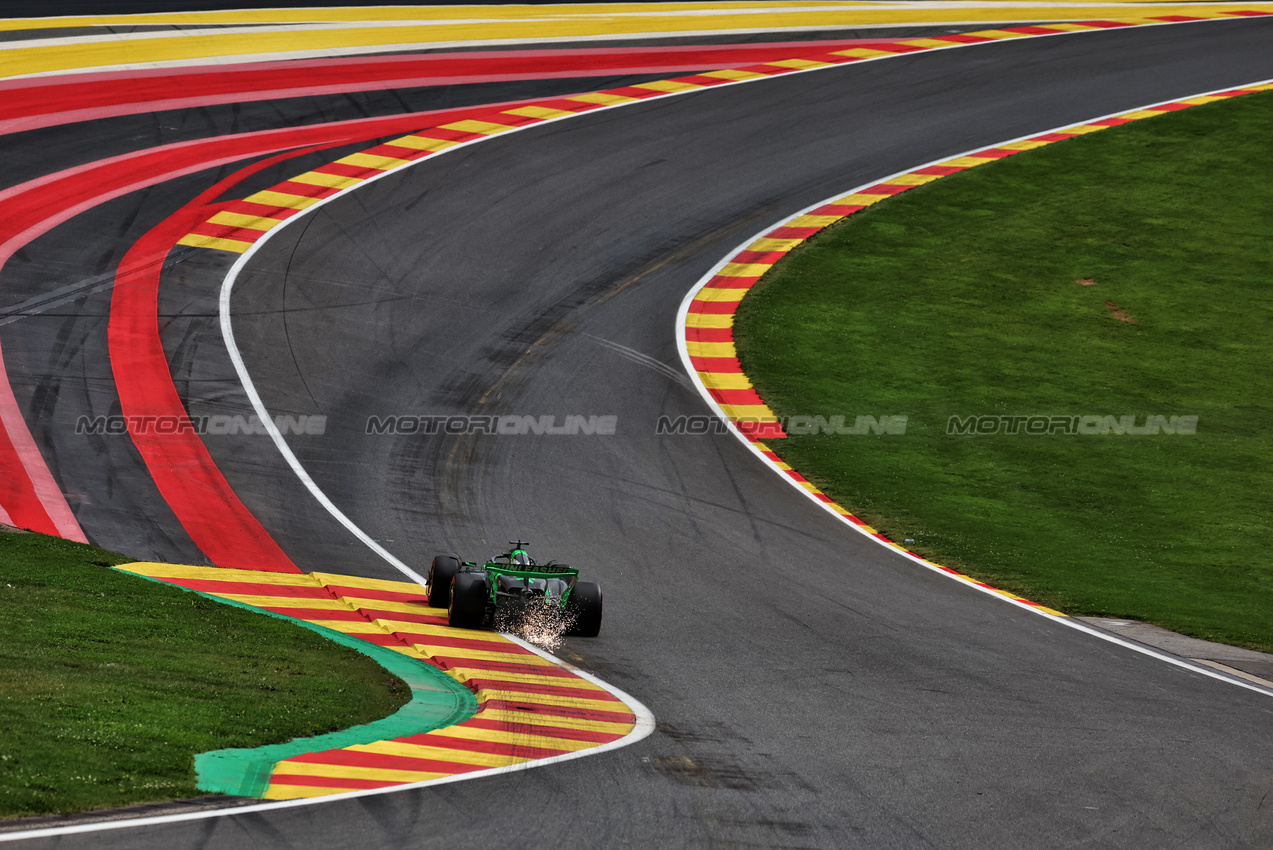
(438, 585)
(585, 606)
(468, 601)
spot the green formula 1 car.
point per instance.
(511, 587)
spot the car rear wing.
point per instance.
(539, 571)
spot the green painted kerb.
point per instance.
(437, 701)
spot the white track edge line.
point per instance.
(277, 437)
(227, 331)
(335, 52)
(701, 8)
(643, 727)
(688, 364)
(372, 50)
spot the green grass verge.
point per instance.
(962, 298)
(111, 684)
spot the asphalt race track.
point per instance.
(812, 688)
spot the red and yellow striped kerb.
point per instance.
(237, 224)
(709, 320)
(528, 707)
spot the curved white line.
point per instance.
(683, 349)
(400, 47)
(645, 720)
(195, 32)
(227, 333)
(227, 330)
(334, 52)
(644, 726)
